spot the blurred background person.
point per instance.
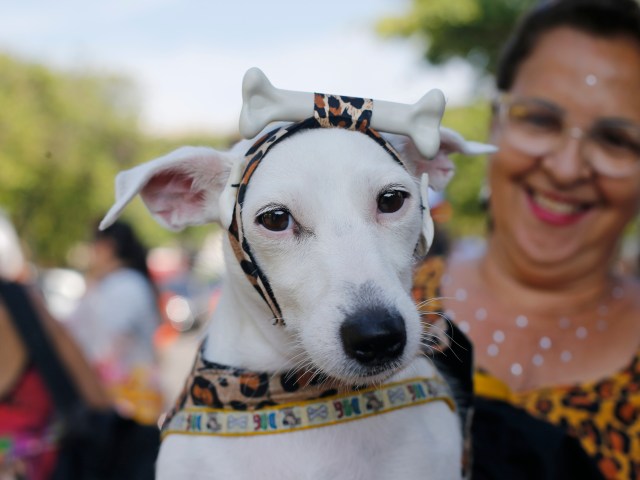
(13, 265)
(116, 319)
(28, 444)
(555, 328)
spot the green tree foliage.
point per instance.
(475, 31)
(464, 190)
(470, 29)
(61, 136)
(64, 136)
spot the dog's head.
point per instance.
(331, 220)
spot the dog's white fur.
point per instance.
(340, 253)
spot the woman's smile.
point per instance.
(555, 209)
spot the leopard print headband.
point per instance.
(330, 111)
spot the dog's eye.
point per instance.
(391, 201)
(275, 220)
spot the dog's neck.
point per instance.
(242, 332)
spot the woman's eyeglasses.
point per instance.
(536, 127)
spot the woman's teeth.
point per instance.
(555, 206)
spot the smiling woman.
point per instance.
(555, 328)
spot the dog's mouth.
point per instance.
(371, 376)
(376, 371)
(356, 375)
(380, 372)
(353, 373)
(377, 366)
(340, 374)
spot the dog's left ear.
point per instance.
(185, 187)
(440, 168)
(434, 173)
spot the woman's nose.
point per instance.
(567, 164)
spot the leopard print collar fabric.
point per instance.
(330, 111)
(220, 386)
(222, 400)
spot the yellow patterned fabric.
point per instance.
(138, 396)
(604, 415)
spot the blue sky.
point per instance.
(188, 57)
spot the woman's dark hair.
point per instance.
(127, 247)
(602, 18)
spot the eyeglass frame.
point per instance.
(504, 101)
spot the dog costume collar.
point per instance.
(330, 111)
(226, 401)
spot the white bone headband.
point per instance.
(262, 104)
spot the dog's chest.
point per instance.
(423, 441)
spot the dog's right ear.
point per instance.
(189, 186)
(440, 168)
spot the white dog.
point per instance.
(312, 368)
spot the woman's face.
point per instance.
(102, 256)
(553, 209)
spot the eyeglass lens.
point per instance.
(537, 128)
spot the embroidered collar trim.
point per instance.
(311, 413)
(330, 111)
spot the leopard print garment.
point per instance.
(604, 415)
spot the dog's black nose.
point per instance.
(373, 336)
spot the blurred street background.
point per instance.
(88, 89)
